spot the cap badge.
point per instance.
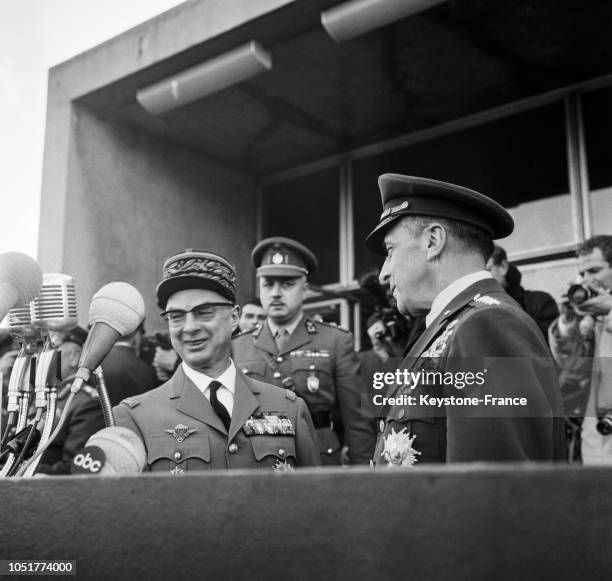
(180, 432)
(485, 300)
(395, 209)
(400, 207)
(277, 258)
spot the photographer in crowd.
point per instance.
(581, 342)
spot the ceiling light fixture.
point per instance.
(357, 17)
(206, 78)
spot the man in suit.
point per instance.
(209, 415)
(314, 359)
(479, 383)
(125, 373)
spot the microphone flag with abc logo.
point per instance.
(113, 451)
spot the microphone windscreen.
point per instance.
(119, 305)
(123, 450)
(20, 280)
(55, 308)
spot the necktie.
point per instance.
(281, 338)
(219, 408)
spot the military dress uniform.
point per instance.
(480, 329)
(270, 428)
(181, 430)
(316, 360)
(318, 363)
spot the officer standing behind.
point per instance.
(437, 238)
(314, 359)
(209, 415)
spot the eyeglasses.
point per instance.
(201, 313)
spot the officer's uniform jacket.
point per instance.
(270, 428)
(319, 363)
(84, 419)
(482, 328)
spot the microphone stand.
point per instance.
(107, 409)
(24, 405)
(46, 385)
(14, 392)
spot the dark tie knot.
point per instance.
(214, 386)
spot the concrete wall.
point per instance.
(472, 522)
(77, 172)
(133, 199)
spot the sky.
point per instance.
(34, 36)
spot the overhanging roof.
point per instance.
(322, 98)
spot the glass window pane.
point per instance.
(597, 115)
(307, 210)
(520, 161)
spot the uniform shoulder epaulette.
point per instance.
(290, 394)
(332, 326)
(254, 331)
(484, 300)
(131, 402)
(90, 391)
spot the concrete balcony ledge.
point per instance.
(460, 522)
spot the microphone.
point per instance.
(20, 280)
(113, 451)
(19, 324)
(116, 310)
(55, 308)
(21, 381)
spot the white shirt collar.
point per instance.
(451, 291)
(290, 327)
(202, 381)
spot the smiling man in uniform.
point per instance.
(209, 415)
(437, 238)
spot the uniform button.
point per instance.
(277, 374)
(281, 452)
(400, 414)
(233, 448)
(177, 456)
(279, 359)
(381, 426)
